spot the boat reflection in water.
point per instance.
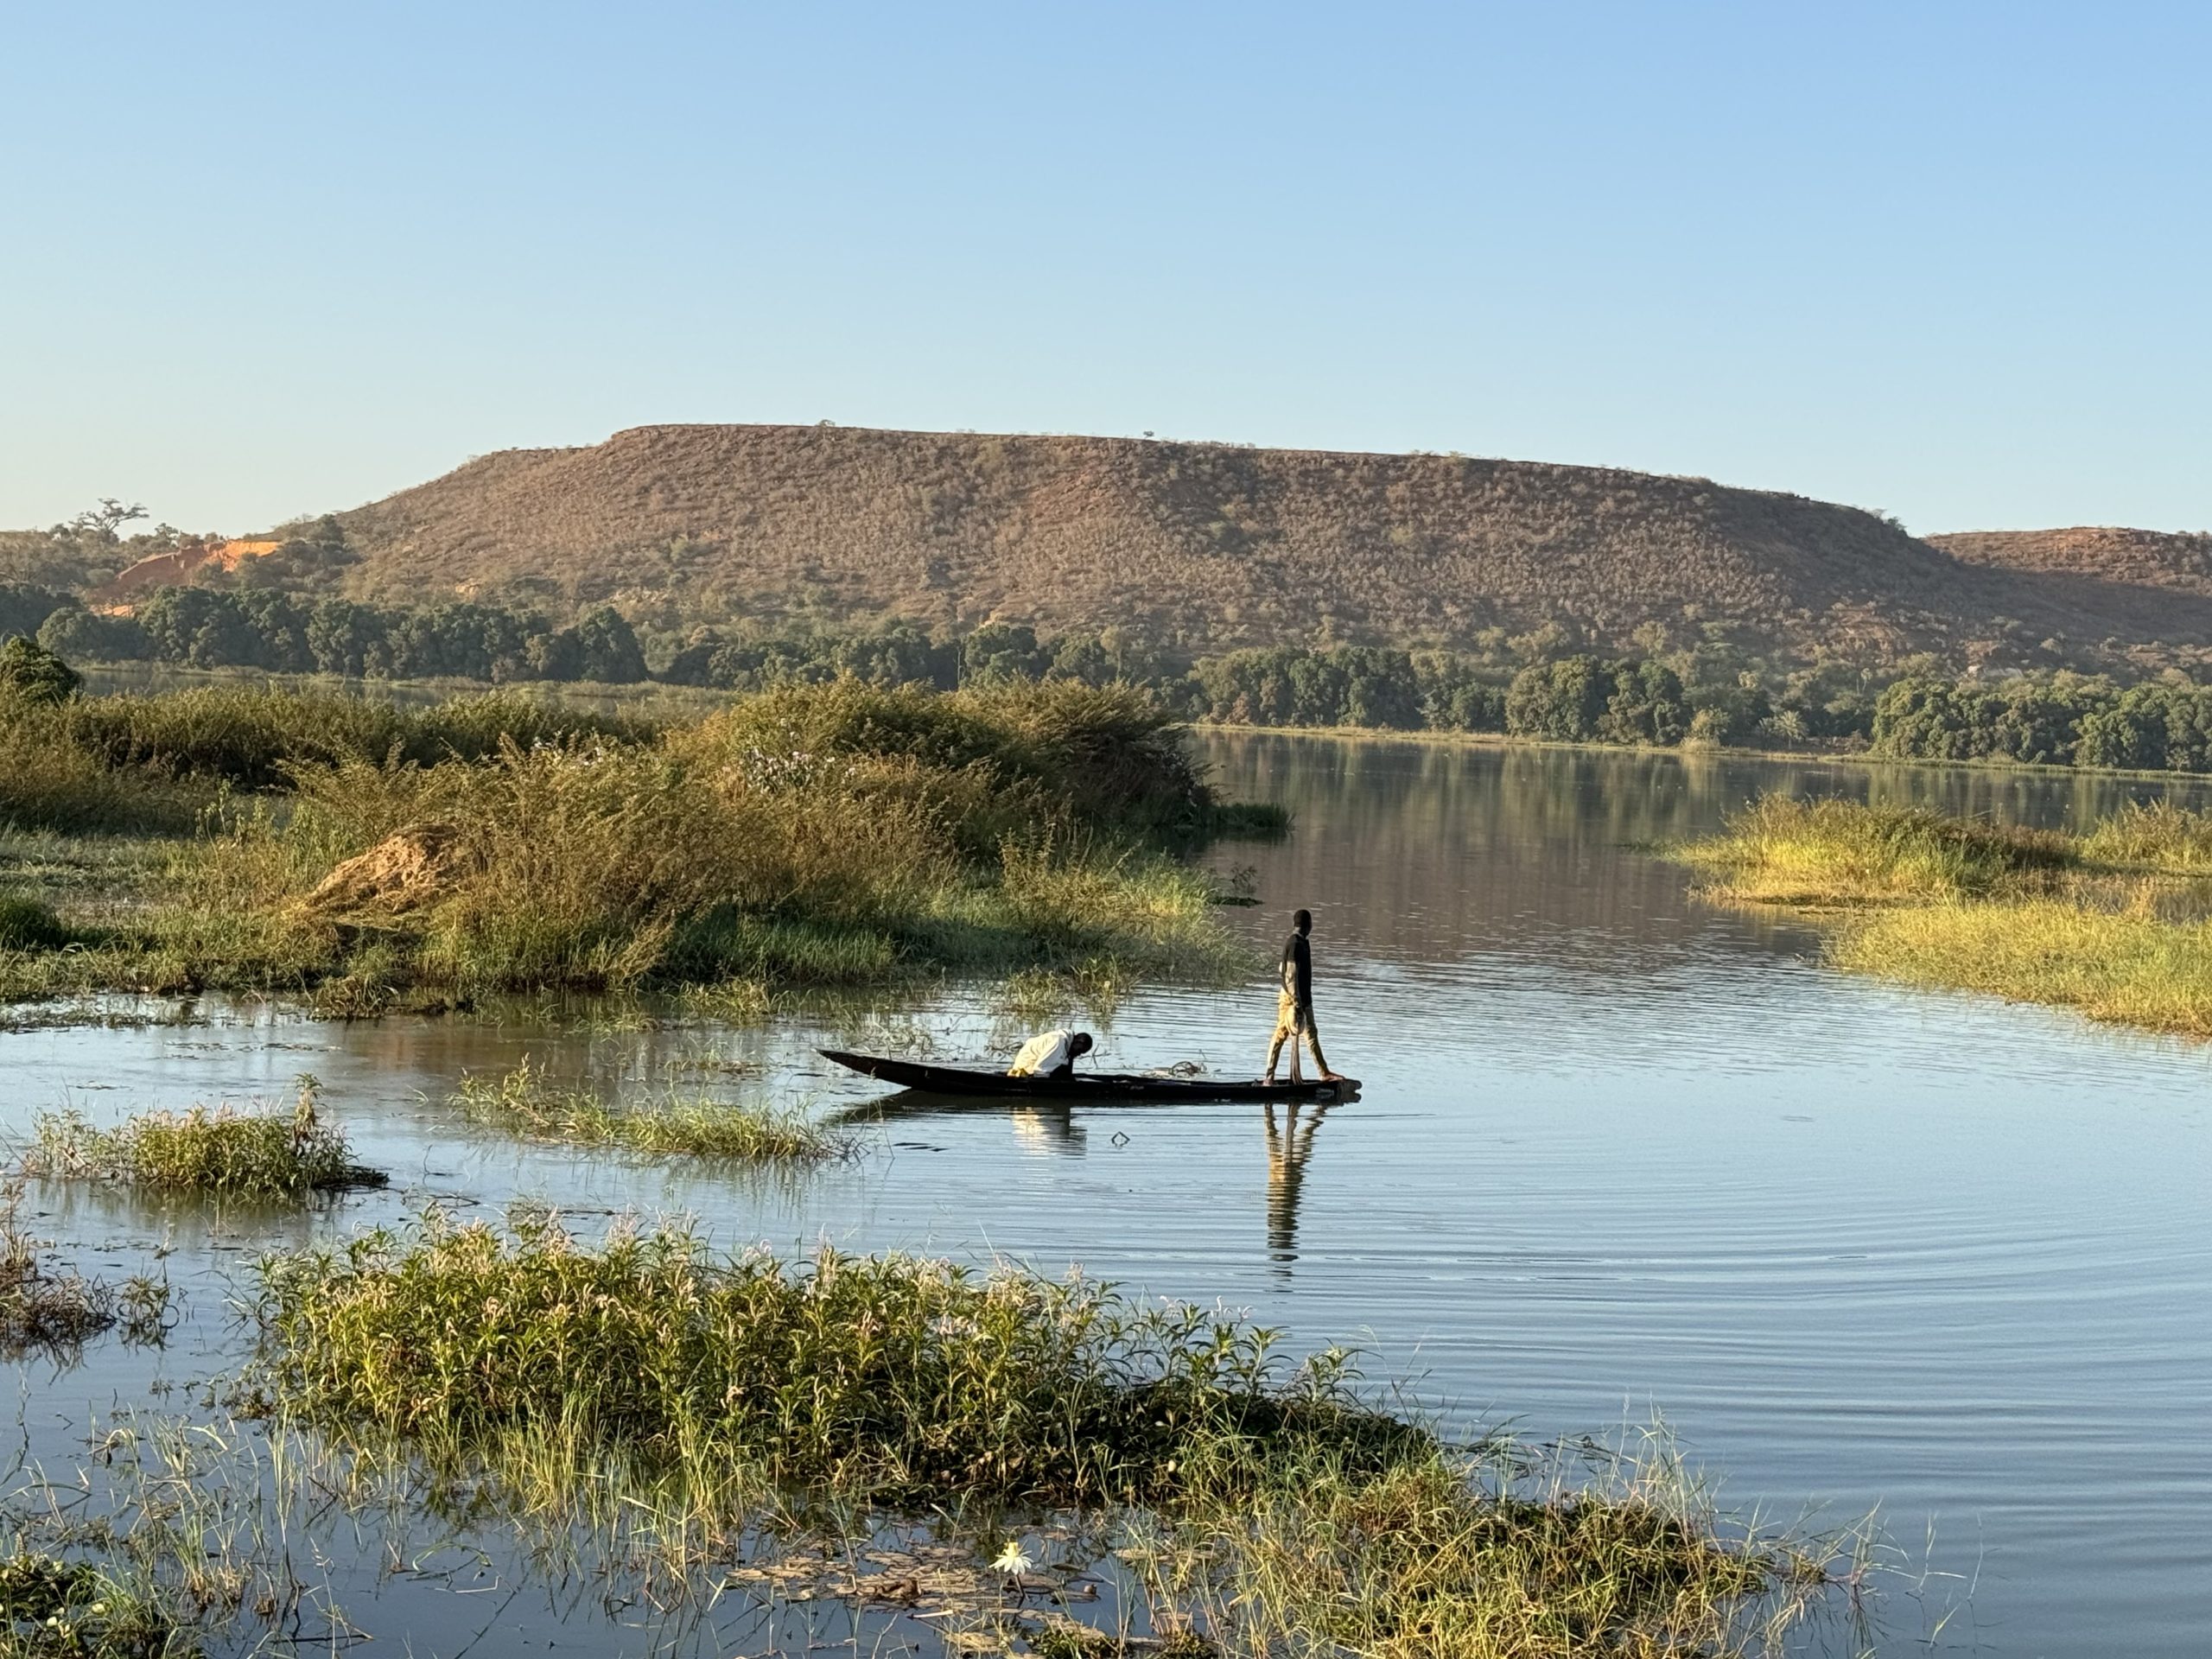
(1053, 1127)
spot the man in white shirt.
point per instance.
(1050, 1054)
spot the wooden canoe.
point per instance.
(1104, 1087)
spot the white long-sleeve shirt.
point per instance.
(1042, 1055)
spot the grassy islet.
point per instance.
(1270, 1503)
(815, 835)
(214, 1150)
(2112, 923)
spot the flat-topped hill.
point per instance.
(1210, 545)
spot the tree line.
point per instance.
(1702, 696)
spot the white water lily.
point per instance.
(1011, 1559)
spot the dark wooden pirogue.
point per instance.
(1101, 1086)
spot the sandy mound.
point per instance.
(407, 870)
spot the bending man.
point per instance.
(1050, 1054)
(1294, 1007)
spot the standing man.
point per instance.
(1294, 1007)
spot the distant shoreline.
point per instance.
(1856, 758)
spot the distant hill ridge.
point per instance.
(2150, 558)
(1217, 545)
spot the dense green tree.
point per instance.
(1563, 701)
(609, 647)
(1001, 651)
(31, 673)
(556, 656)
(1647, 705)
(88, 637)
(200, 627)
(344, 637)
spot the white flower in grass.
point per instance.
(1011, 1561)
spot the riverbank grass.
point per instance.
(527, 1103)
(214, 1150)
(1267, 1501)
(2122, 967)
(2111, 922)
(1781, 851)
(818, 836)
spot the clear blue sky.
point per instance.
(1950, 260)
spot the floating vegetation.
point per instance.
(528, 1102)
(168, 1539)
(49, 1605)
(47, 1308)
(2156, 835)
(878, 1376)
(1489, 1554)
(214, 1150)
(2127, 966)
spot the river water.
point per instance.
(1619, 1154)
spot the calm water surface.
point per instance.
(1619, 1153)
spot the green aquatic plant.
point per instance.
(889, 1377)
(2123, 966)
(49, 1308)
(1490, 1553)
(170, 1538)
(2108, 923)
(43, 1305)
(526, 1101)
(49, 1605)
(641, 1387)
(214, 1150)
(816, 836)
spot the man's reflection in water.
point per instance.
(1288, 1149)
(1049, 1127)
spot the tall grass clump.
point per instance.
(212, 1150)
(1108, 757)
(706, 857)
(2109, 922)
(526, 1101)
(2156, 835)
(252, 737)
(1778, 850)
(820, 835)
(49, 782)
(887, 1377)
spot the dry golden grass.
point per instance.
(1781, 851)
(2126, 968)
(2110, 924)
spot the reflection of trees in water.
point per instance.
(1289, 1148)
(1432, 851)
